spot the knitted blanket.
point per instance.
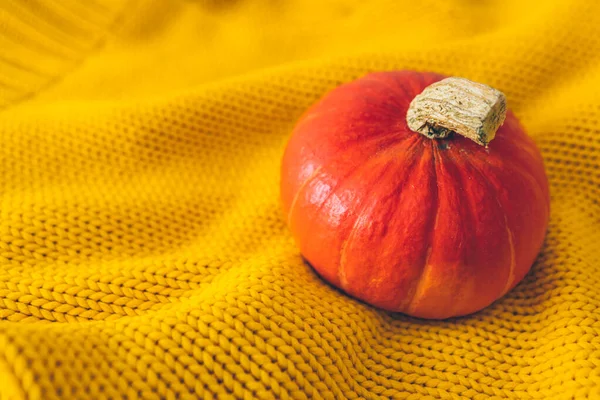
(143, 253)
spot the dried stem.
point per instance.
(471, 109)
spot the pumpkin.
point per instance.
(434, 224)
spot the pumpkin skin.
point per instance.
(432, 228)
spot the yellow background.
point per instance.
(142, 251)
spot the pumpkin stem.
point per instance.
(471, 109)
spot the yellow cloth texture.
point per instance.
(143, 253)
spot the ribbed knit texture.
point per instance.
(142, 249)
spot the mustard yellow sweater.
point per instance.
(142, 251)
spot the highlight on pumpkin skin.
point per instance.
(433, 228)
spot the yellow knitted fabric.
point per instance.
(142, 250)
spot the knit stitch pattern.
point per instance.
(143, 253)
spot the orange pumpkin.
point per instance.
(432, 228)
